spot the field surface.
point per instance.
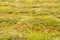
(29, 19)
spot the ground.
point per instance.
(29, 20)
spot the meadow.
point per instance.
(29, 19)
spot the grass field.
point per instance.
(29, 19)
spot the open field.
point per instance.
(29, 19)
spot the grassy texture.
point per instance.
(29, 19)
